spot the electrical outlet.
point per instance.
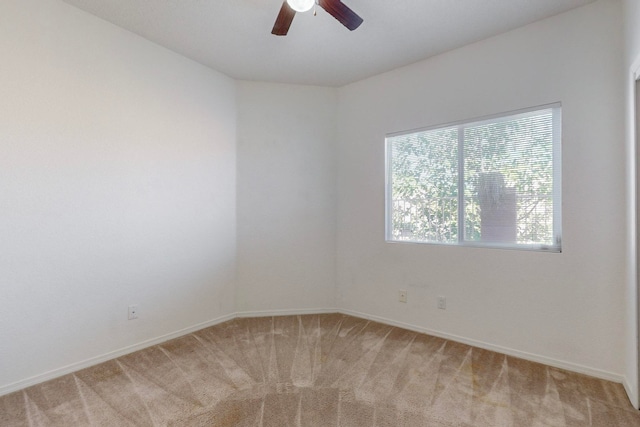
(133, 311)
(402, 296)
(442, 303)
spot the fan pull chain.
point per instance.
(315, 4)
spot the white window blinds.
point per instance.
(490, 182)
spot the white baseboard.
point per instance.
(569, 366)
(6, 389)
(632, 393)
(55, 373)
(269, 313)
(74, 367)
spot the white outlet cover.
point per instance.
(402, 296)
(133, 312)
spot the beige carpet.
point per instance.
(318, 370)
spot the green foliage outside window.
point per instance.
(504, 159)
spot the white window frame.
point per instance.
(495, 118)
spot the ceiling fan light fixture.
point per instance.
(301, 5)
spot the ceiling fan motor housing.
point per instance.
(335, 8)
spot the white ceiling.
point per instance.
(234, 36)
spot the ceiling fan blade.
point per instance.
(342, 13)
(283, 21)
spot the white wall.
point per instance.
(631, 13)
(117, 187)
(564, 309)
(286, 197)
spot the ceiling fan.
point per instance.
(336, 8)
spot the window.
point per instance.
(491, 182)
